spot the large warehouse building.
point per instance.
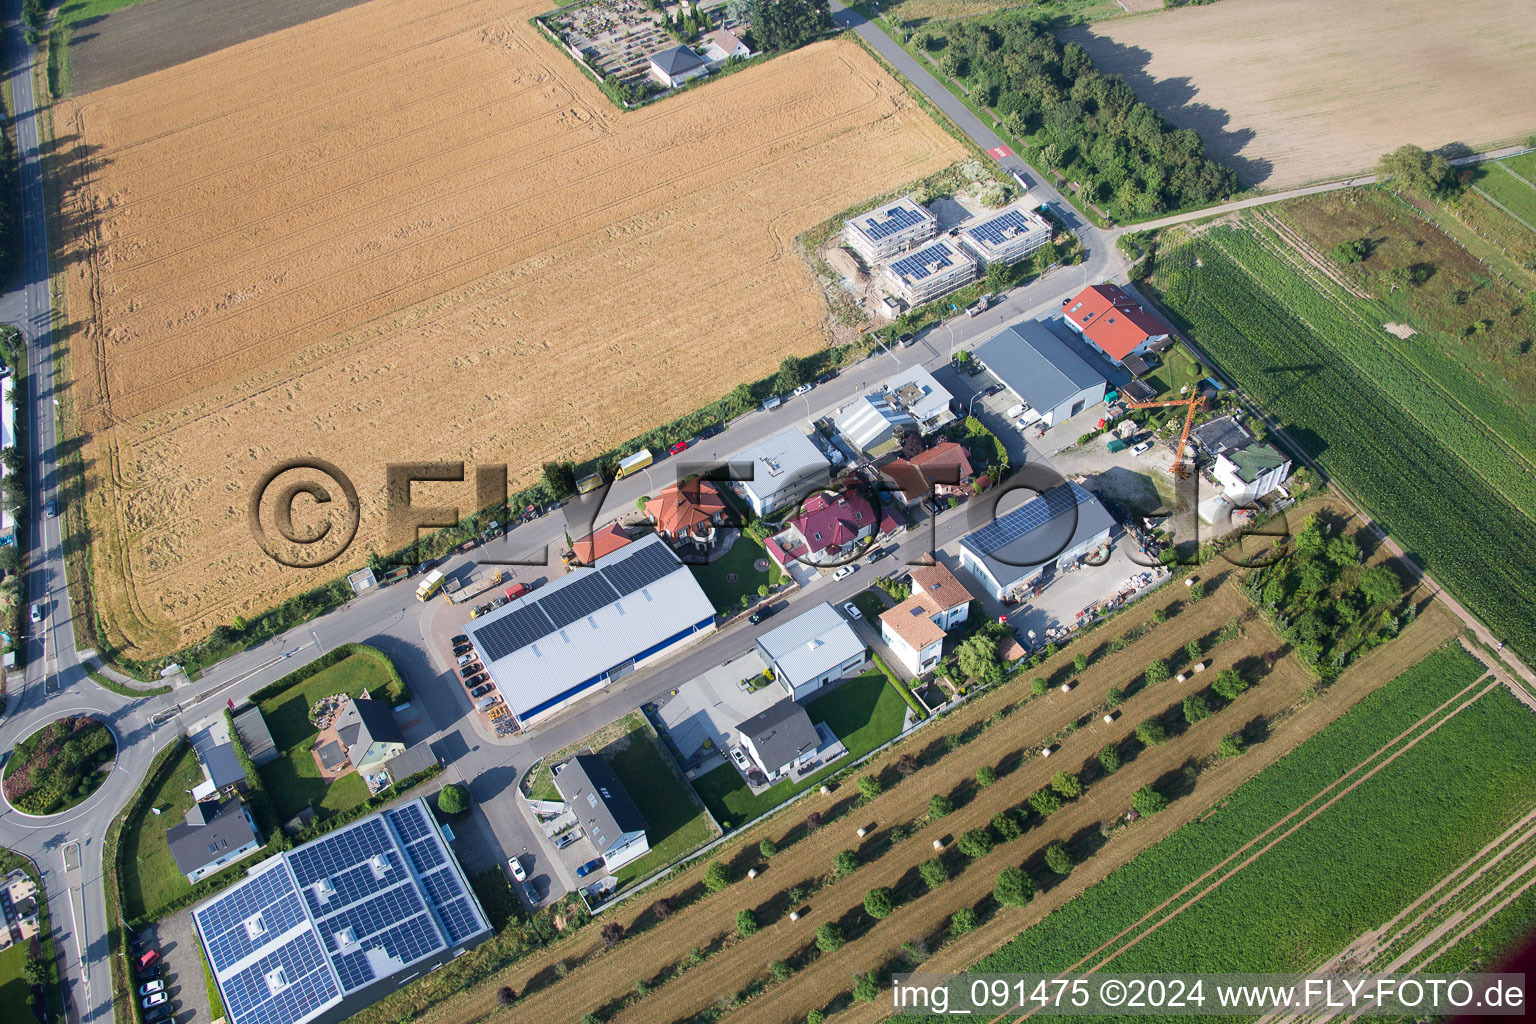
(315, 934)
(1042, 371)
(1010, 554)
(590, 627)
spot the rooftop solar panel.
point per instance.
(511, 632)
(889, 221)
(459, 919)
(641, 569)
(248, 917)
(307, 984)
(920, 264)
(578, 599)
(1028, 517)
(409, 823)
(997, 230)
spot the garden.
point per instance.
(59, 765)
(150, 879)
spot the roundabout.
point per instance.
(59, 765)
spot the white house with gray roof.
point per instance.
(815, 648)
(1043, 372)
(677, 65)
(780, 469)
(609, 817)
(780, 739)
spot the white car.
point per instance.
(853, 612)
(37, 613)
(841, 574)
(152, 987)
(740, 758)
(803, 389)
(1142, 448)
(465, 659)
(155, 1000)
(516, 867)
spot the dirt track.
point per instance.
(408, 231)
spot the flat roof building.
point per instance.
(1042, 371)
(315, 934)
(890, 230)
(811, 650)
(921, 396)
(1009, 554)
(592, 626)
(922, 276)
(1007, 236)
(870, 423)
(780, 469)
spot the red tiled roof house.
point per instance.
(1112, 320)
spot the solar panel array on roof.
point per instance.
(287, 984)
(247, 917)
(922, 263)
(513, 631)
(578, 599)
(890, 221)
(640, 569)
(1030, 516)
(1000, 229)
(445, 892)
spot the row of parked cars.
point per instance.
(477, 682)
(151, 979)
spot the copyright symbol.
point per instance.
(326, 525)
(1112, 993)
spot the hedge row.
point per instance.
(395, 690)
(901, 687)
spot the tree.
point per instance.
(1067, 784)
(780, 971)
(453, 800)
(560, 479)
(786, 24)
(612, 933)
(1231, 746)
(1114, 698)
(975, 843)
(997, 277)
(878, 903)
(962, 921)
(1147, 801)
(1380, 586)
(1109, 759)
(1038, 685)
(986, 775)
(1196, 709)
(813, 821)
(1007, 826)
(767, 848)
(815, 1017)
(505, 996)
(35, 971)
(846, 862)
(869, 787)
(1058, 859)
(939, 805)
(746, 923)
(1013, 888)
(1155, 672)
(1410, 167)
(977, 655)
(829, 937)
(1045, 801)
(1151, 733)
(792, 373)
(1192, 650)
(867, 988)
(1352, 251)
(717, 876)
(1080, 662)
(662, 909)
(1229, 685)
(933, 873)
(1196, 591)
(906, 764)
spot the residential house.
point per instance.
(1050, 380)
(214, 835)
(828, 524)
(677, 65)
(1007, 236)
(723, 44)
(943, 470)
(599, 543)
(1113, 320)
(889, 231)
(606, 813)
(215, 753)
(872, 423)
(367, 729)
(916, 392)
(1250, 472)
(779, 470)
(780, 739)
(687, 511)
(936, 269)
(915, 629)
(1009, 555)
(815, 648)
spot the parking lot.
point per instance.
(180, 969)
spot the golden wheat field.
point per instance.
(1291, 91)
(409, 232)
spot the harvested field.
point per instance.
(1291, 91)
(409, 232)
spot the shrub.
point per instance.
(975, 843)
(717, 876)
(1152, 733)
(662, 908)
(1147, 800)
(867, 988)
(1160, 616)
(815, 1017)
(767, 848)
(1196, 591)
(1229, 684)
(1058, 859)
(1109, 759)
(939, 805)
(1231, 746)
(986, 775)
(453, 800)
(1080, 662)
(869, 787)
(780, 971)
(1067, 784)
(962, 921)
(1039, 685)
(878, 903)
(612, 933)
(1114, 697)
(906, 764)
(1013, 888)
(1156, 672)
(1045, 801)
(845, 863)
(505, 996)
(1196, 709)
(1007, 826)
(813, 821)
(933, 873)
(829, 937)
(746, 923)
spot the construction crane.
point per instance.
(1180, 469)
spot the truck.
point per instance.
(980, 307)
(634, 463)
(430, 585)
(588, 484)
(474, 588)
(516, 591)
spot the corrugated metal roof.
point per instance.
(1036, 364)
(813, 642)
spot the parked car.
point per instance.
(933, 507)
(159, 1013)
(516, 867)
(481, 691)
(711, 431)
(52, 509)
(740, 757)
(845, 572)
(992, 389)
(151, 987)
(567, 839)
(149, 972)
(158, 999)
(148, 957)
(876, 555)
(590, 866)
(461, 641)
(530, 894)
(906, 340)
(469, 671)
(465, 659)
(852, 610)
(829, 375)
(759, 615)
(1142, 448)
(804, 389)
(678, 448)
(37, 613)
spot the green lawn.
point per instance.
(1523, 165)
(674, 822)
(13, 984)
(1507, 190)
(151, 878)
(293, 780)
(863, 712)
(726, 594)
(871, 603)
(1178, 369)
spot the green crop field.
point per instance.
(1506, 188)
(1444, 462)
(1348, 869)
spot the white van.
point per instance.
(1016, 411)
